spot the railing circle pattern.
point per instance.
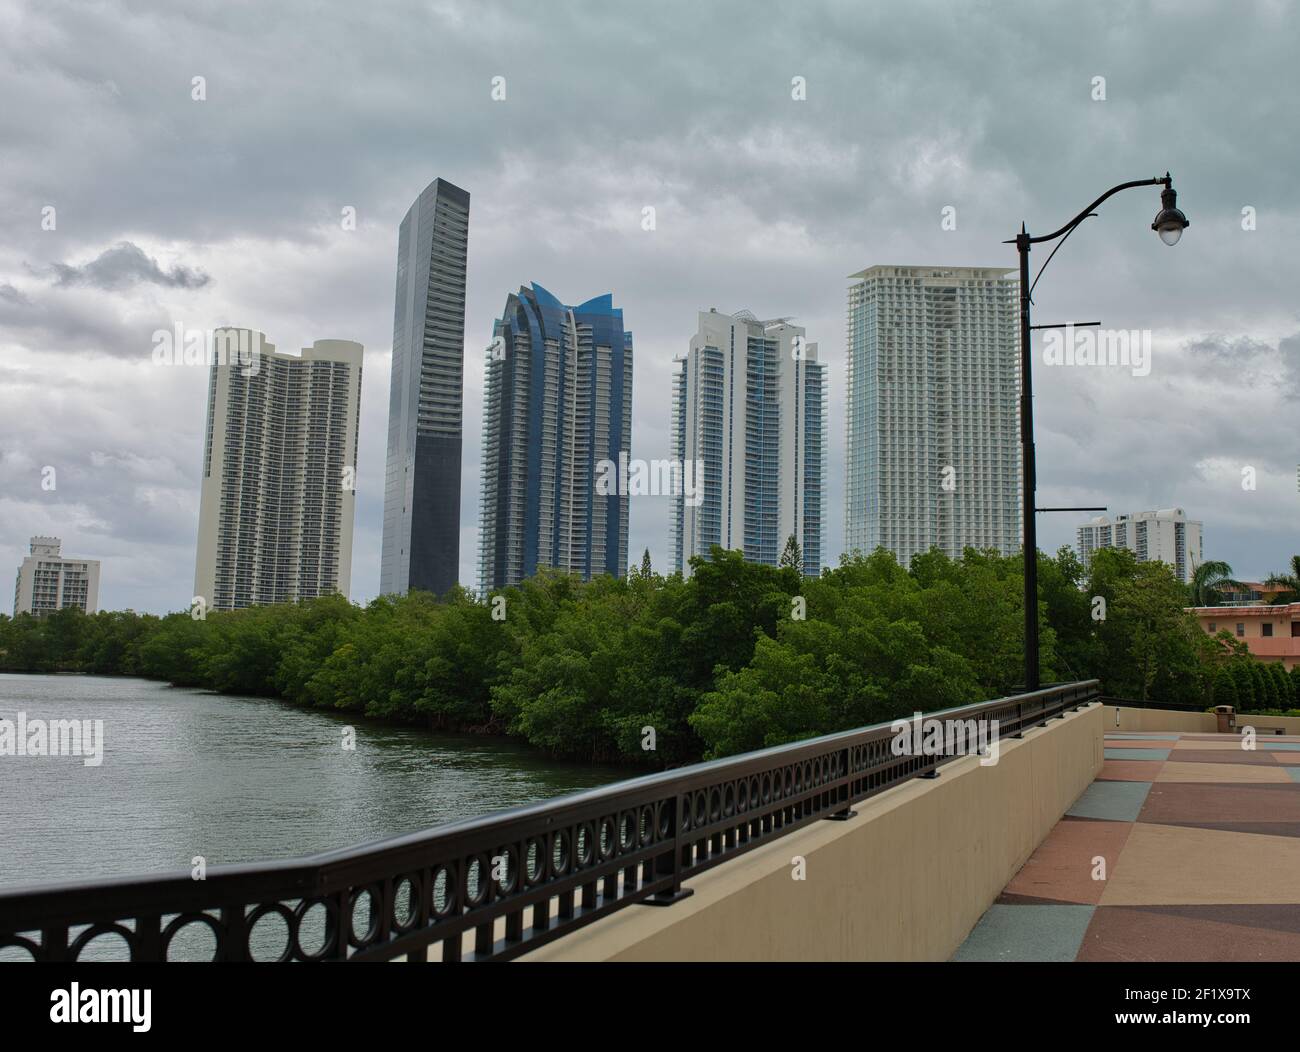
(471, 887)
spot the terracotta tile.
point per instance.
(1129, 770)
(1118, 933)
(1061, 869)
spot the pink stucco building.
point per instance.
(1271, 632)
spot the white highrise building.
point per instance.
(279, 472)
(48, 580)
(749, 411)
(932, 453)
(1166, 536)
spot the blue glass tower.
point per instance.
(557, 433)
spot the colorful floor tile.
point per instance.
(1027, 933)
(1129, 770)
(1116, 801)
(1191, 933)
(1061, 870)
(1125, 753)
(1185, 848)
(1141, 743)
(1127, 735)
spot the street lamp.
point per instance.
(1169, 224)
(1170, 221)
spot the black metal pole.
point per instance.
(1030, 531)
(1030, 537)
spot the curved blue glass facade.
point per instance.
(557, 429)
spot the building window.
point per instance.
(1241, 629)
(1267, 626)
(1211, 629)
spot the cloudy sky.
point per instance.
(170, 210)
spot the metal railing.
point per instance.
(499, 886)
(1171, 706)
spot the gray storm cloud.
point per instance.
(227, 211)
(123, 266)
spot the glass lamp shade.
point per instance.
(1170, 221)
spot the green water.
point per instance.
(187, 773)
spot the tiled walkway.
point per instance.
(1201, 847)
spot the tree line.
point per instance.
(738, 656)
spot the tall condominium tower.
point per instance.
(557, 435)
(749, 429)
(49, 581)
(932, 434)
(1166, 536)
(421, 543)
(279, 469)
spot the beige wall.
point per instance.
(905, 880)
(1148, 720)
(1286, 724)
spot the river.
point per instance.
(189, 773)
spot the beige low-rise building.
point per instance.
(49, 581)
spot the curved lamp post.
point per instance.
(1169, 223)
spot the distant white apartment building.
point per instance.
(932, 435)
(1166, 536)
(50, 581)
(749, 409)
(279, 473)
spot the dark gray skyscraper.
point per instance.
(422, 481)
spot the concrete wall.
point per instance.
(1269, 724)
(905, 880)
(1151, 720)
(1148, 720)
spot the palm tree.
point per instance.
(1289, 582)
(1208, 581)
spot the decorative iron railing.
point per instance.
(502, 885)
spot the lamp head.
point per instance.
(1170, 221)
